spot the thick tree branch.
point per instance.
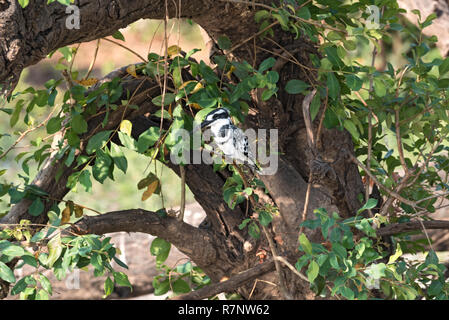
(396, 228)
(28, 34)
(229, 285)
(194, 242)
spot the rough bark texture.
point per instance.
(26, 36)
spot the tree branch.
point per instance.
(229, 285)
(196, 243)
(396, 228)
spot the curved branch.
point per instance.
(28, 34)
(194, 242)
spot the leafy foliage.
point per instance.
(397, 118)
(352, 266)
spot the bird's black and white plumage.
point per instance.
(230, 139)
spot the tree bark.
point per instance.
(223, 250)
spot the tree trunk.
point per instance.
(222, 250)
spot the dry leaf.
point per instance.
(150, 190)
(78, 211)
(132, 70)
(65, 215)
(327, 245)
(279, 240)
(173, 50)
(196, 106)
(229, 73)
(87, 82)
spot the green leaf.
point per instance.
(261, 15)
(98, 141)
(265, 218)
(244, 223)
(24, 3)
(108, 287)
(160, 288)
(379, 87)
(396, 255)
(444, 67)
(268, 93)
(42, 295)
(118, 35)
(333, 85)
(147, 139)
(119, 158)
(54, 249)
(169, 98)
(36, 208)
(435, 287)
(161, 249)
(353, 82)
(15, 115)
(79, 125)
(253, 230)
(312, 271)
(376, 270)
(127, 141)
(45, 283)
(100, 170)
(85, 181)
(121, 279)
(12, 250)
(180, 286)
(6, 273)
(224, 43)
(267, 64)
(296, 86)
(304, 13)
(305, 243)
(54, 125)
(352, 128)
(30, 260)
(370, 204)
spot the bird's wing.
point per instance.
(242, 145)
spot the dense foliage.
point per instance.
(397, 118)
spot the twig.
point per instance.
(92, 63)
(390, 192)
(311, 141)
(251, 37)
(282, 286)
(292, 268)
(399, 141)
(126, 48)
(23, 134)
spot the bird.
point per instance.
(230, 139)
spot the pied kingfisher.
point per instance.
(229, 138)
